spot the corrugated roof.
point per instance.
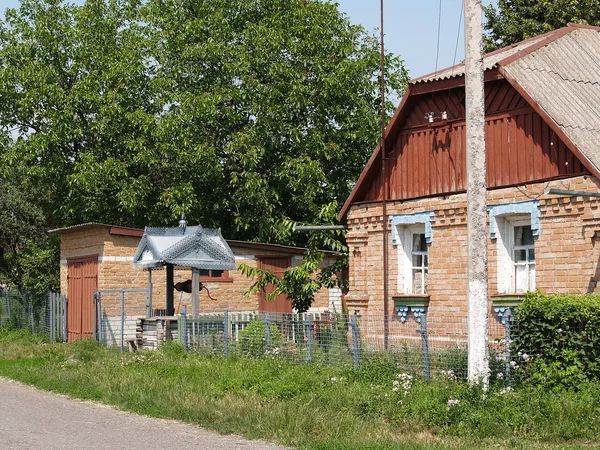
(563, 78)
(559, 75)
(490, 61)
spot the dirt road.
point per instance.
(32, 419)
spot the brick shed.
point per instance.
(542, 98)
(98, 257)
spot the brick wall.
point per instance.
(115, 271)
(567, 249)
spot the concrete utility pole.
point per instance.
(476, 195)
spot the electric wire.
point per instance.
(437, 52)
(460, 19)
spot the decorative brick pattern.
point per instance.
(567, 249)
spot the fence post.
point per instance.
(8, 308)
(95, 321)
(507, 319)
(355, 342)
(31, 318)
(421, 317)
(226, 329)
(122, 319)
(183, 328)
(308, 337)
(52, 317)
(64, 313)
(149, 295)
(268, 330)
(99, 315)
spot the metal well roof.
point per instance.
(196, 247)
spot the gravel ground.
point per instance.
(33, 419)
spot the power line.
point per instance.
(437, 53)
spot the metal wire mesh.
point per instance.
(42, 314)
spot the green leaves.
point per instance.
(560, 333)
(245, 115)
(515, 20)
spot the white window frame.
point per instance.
(507, 278)
(405, 260)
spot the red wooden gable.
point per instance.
(429, 159)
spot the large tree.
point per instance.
(242, 114)
(512, 21)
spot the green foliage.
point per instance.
(512, 21)
(248, 116)
(243, 114)
(302, 282)
(314, 406)
(253, 339)
(87, 350)
(559, 336)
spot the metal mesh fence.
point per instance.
(42, 314)
(118, 312)
(417, 344)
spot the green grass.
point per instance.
(312, 407)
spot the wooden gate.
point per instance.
(277, 265)
(81, 309)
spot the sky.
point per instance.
(411, 29)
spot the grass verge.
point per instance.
(312, 407)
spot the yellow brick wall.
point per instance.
(115, 271)
(567, 249)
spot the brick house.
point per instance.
(98, 257)
(542, 100)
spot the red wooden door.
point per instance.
(81, 307)
(281, 304)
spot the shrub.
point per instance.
(559, 334)
(253, 339)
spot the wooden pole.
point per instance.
(476, 196)
(170, 306)
(195, 292)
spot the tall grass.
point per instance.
(319, 407)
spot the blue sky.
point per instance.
(411, 28)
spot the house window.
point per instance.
(514, 226)
(212, 274)
(413, 260)
(419, 263)
(516, 255)
(523, 259)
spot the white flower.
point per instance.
(500, 376)
(483, 396)
(452, 403)
(333, 379)
(513, 364)
(505, 391)
(525, 357)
